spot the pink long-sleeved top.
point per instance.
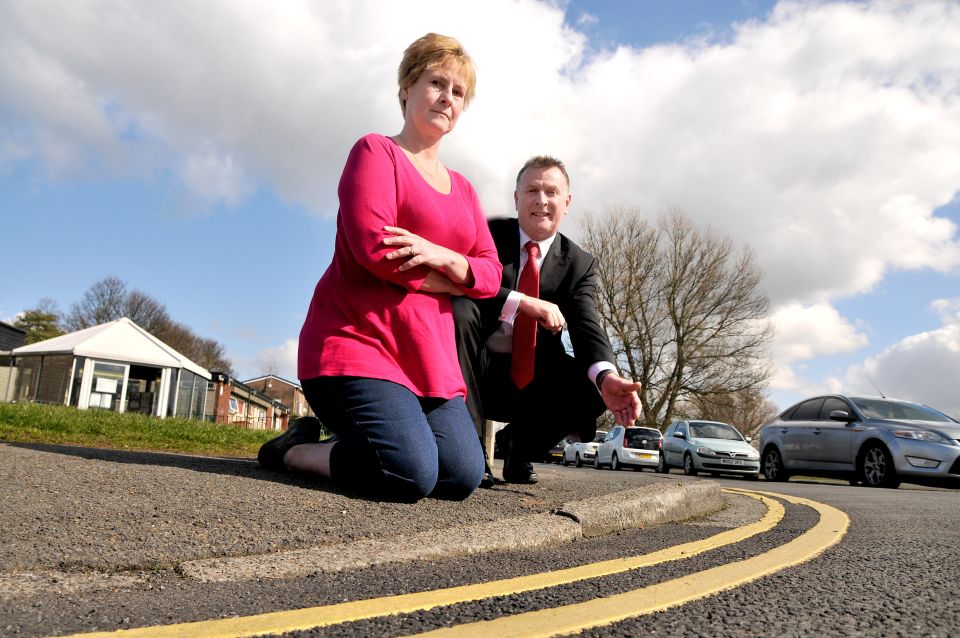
(368, 319)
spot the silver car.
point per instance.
(580, 452)
(708, 446)
(629, 447)
(873, 440)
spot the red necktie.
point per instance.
(525, 327)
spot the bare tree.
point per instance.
(145, 311)
(210, 354)
(684, 311)
(109, 300)
(101, 303)
(747, 410)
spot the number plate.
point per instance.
(731, 461)
(641, 455)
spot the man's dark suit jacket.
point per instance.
(568, 278)
(561, 398)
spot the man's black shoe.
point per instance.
(303, 430)
(519, 473)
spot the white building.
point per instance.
(115, 366)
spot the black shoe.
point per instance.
(488, 480)
(303, 430)
(515, 472)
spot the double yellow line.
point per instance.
(554, 621)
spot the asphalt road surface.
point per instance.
(894, 572)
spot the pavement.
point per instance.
(75, 519)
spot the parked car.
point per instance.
(555, 454)
(629, 447)
(580, 452)
(873, 440)
(708, 446)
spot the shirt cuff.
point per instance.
(597, 368)
(510, 307)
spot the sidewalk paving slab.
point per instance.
(79, 517)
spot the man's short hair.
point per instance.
(544, 162)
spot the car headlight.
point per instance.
(753, 454)
(705, 451)
(923, 435)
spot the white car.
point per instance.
(631, 447)
(579, 452)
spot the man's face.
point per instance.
(542, 199)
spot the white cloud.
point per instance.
(922, 367)
(804, 333)
(947, 309)
(825, 136)
(279, 360)
(587, 19)
(215, 177)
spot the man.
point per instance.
(513, 360)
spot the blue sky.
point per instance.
(138, 140)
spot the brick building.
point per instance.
(236, 403)
(288, 392)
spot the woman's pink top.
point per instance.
(367, 319)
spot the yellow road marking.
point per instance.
(314, 617)
(570, 619)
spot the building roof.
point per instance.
(241, 389)
(11, 336)
(273, 376)
(120, 340)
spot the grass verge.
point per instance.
(62, 425)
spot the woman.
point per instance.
(378, 359)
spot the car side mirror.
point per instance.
(679, 435)
(841, 415)
(748, 439)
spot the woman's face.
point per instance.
(435, 100)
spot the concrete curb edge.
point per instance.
(607, 514)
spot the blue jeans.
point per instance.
(394, 444)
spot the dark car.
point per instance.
(555, 454)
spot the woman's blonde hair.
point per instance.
(432, 52)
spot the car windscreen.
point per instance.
(638, 437)
(889, 409)
(713, 431)
(599, 437)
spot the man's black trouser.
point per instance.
(560, 400)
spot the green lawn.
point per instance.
(32, 423)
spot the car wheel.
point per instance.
(662, 467)
(773, 469)
(614, 462)
(596, 461)
(876, 467)
(688, 467)
(579, 461)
